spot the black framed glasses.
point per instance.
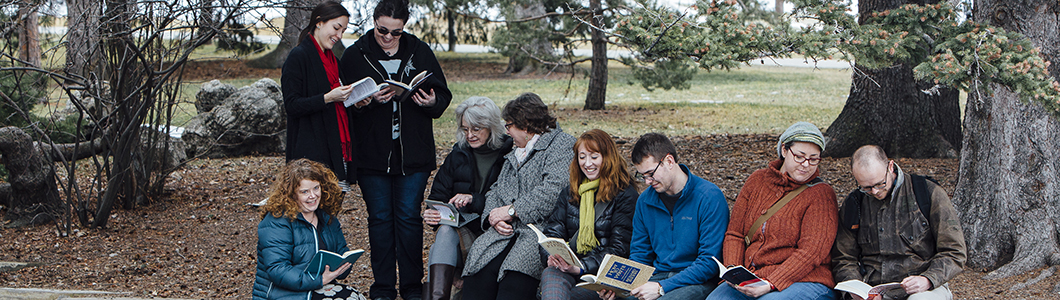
(879, 186)
(508, 126)
(384, 31)
(799, 159)
(649, 175)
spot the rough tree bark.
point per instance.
(296, 19)
(30, 189)
(28, 35)
(1008, 190)
(888, 107)
(82, 42)
(594, 98)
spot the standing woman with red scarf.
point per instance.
(318, 126)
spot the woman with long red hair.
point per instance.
(595, 214)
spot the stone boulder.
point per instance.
(212, 94)
(249, 121)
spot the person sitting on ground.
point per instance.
(504, 262)
(595, 214)
(788, 249)
(463, 180)
(678, 225)
(298, 220)
(885, 234)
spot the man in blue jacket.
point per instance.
(678, 225)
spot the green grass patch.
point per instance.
(752, 99)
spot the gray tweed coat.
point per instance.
(531, 188)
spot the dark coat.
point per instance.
(285, 248)
(613, 226)
(312, 127)
(373, 123)
(896, 240)
(458, 175)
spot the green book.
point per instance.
(332, 259)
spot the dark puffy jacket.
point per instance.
(373, 124)
(613, 227)
(285, 248)
(458, 174)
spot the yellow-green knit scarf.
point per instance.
(587, 218)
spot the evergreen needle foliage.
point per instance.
(723, 34)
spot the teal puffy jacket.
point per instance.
(284, 249)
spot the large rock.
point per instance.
(249, 121)
(212, 94)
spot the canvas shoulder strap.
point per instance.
(773, 210)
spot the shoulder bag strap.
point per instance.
(769, 213)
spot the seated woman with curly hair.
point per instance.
(299, 219)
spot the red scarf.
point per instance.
(331, 67)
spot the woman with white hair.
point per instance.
(467, 173)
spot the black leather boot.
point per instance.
(440, 281)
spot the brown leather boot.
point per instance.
(440, 281)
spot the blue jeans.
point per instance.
(395, 231)
(797, 291)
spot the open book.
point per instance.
(332, 259)
(362, 89)
(557, 246)
(620, 275)
(860, 288)
(738, 275)
(404, 90)
(450, 214)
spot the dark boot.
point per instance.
(440, 281)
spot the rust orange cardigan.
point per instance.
(793, 245)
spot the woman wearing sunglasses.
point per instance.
(395, 145)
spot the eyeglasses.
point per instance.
(384, 31)
(879, 186)
(508, 126)
(799, 159)
(650, 175)
(472, 130)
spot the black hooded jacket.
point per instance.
(373, 124)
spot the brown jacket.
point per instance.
(895, 240)
(792, 245)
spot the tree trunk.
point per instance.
(890, 108)
(297, 18)
(82, 42)
(450, 18)
(32, 193)
(594, 98)
(28, 35)
(1008, 190)
(522, 63)
(125, 181)
(779, 7)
